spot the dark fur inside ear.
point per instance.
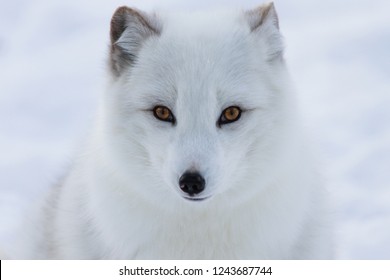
(129, 29)
(262, 14)
(118, 23)
(263, 22)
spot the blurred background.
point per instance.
(53, 67)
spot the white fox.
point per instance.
(196, 152)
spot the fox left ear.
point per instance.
(263, 22)
(130, 28)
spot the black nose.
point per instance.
(192, 183)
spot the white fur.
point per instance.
(121, 199)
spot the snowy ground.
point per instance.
(52, 66)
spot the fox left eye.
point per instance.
(162, 113)
(229, 115)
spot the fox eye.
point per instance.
(229, 115)
(162, 113)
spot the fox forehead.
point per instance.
(204, 42)
(205, 24)
(213, 58)
(176, 66)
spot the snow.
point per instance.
(52, 69)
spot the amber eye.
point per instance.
(163, 114)
(230, 114)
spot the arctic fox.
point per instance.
(196, 152)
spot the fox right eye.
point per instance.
(229, 115)
(163, 113)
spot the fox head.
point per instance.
(195, 102)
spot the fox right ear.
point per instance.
(264, 24)
(129, 29)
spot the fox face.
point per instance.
(194, 100)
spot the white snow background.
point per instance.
(53, 66)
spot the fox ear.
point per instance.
(129, 29)
(263, 22)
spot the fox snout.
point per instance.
(192, 183)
